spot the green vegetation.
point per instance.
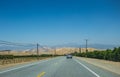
(6, 56)
(24, 56)
(112, 55)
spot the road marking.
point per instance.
(87, 68)
(41, 74)
(42, 61)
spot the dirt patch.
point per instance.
(108, 65)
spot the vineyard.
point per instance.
(11, 59)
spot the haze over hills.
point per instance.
(57, 49)
(73, 45)
(97, 46)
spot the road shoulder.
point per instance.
(108, 65)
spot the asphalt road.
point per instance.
(57, 67)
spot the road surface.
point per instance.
(57, 67)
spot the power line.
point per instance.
(15, 44)
(12, 45)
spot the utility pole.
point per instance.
(86, 45)
(55, 52)
(37, 51)
(80, 50)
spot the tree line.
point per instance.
(112, 55)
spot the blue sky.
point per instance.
(52, 22)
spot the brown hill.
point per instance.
(58, 51)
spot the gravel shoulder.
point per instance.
(108, 65)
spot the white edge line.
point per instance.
(87, 68)
(22, 66)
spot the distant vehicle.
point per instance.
(69, 56)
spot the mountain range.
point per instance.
(97, 46)
(73, 45)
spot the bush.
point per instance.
(113, 55)
(6, 56)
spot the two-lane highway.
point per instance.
(57, 67)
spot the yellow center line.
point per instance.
(41, 74)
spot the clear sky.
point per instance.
(51, 22)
